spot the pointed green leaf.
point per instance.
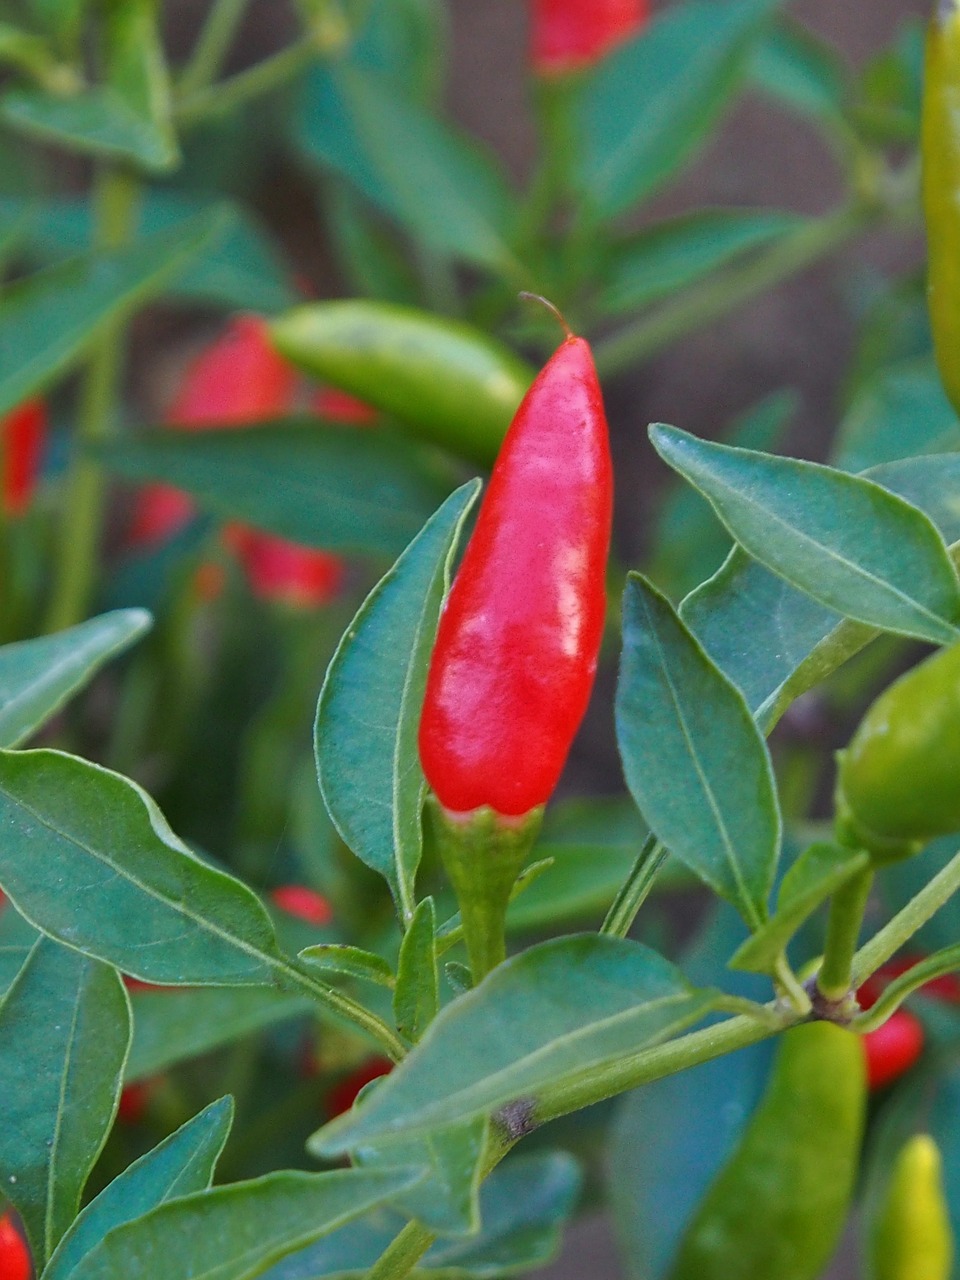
(368, 715)
(89, 859)
(647, 107)
(417, 994)
(773, 641)
(236, 1232)
(64, 1035)
(17, 940)
(672, 255)
(181, 1164)
(38, 676)
(804, 72)
(898, 413)
(544, 1017)
(322, 485)
(693, 758)
(818, 872)
(173, 1025)
(843, 540)
(352, 962)
(446, 1198)
(49, 320)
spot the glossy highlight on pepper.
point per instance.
(516, 650)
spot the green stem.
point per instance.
(217, 100)
(898, 931)
(847, 908)
(792, 988)
(345, 1007)
(212, 45)
(935, 966)
(723, 292)
(400, 1257)
(115, 201)
(633, 892)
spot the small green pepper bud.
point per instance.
(898, 782)
(912, 1239)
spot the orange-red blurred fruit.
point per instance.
(24, 432)
(14, 1255)
(343, 1095)
(568, 35)
(304, 903)
(893, 1048)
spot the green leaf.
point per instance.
(841, 539)
(49, 320)
(38, 676)
(446, 1197)
(170, 1026)
(61, 18)
(773, 641)
(352, 962)
(417, 995)
(405, 41)
(17, 940)
(523, 1206)
(64, 1036)
(183, 1163)
(368, 715)
(89, 859)
(439, 185)
(236, 1232)
(900, 413)
(795, 67)
(318, 484)
(543, 1018)
(693, 758)
(672, 255)
(648, 106)
(818, 872)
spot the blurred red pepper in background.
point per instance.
(893, 1048)
(568, 35)
(240, 379)
(24, 432)
(14, 1255)
(303, 903)
(344, 1094)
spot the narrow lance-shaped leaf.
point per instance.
(236, 1232)
(417, 994)
(694, 760)
(652, 102)
(38, 676)
(773, 641)
(183, 1163)
(543, 1018)
(88, 858)
(369, 709)
(49, 320)
(843, 540)
(64, 1035)
(325, 486)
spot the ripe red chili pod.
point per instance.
(567, 35)
(344, 1094)
(287, 573)
(15, 1261)
(516, 650)
(302, 902)
(893, 1048)
(23, 432)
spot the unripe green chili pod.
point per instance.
(777, 1207)
(440, 378)
(898, 783)
(941, 188)
(912, 1239)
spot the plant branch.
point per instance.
(933, 967)
(729, 289)
(845, 921)
(217, 100)
(633, 892)
(898, 931)
(345, 1007)
(115, 200)
(400, 1257)
(212, 46)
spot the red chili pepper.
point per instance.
(134, 1100)
(286, 572)
(893, 1048)
(516, 650)
(24, 432)
(340, 406)
(306, 904)
(344, 1094)
(238, 379)
(15, 1261)
(568, 35)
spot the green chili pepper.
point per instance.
(777, 1207)
(898, 783)
(941, 186)
(912, 1239)
(440, 378)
